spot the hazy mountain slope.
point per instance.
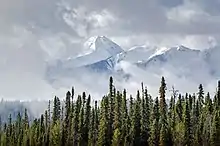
(102, 56)
(212, 57)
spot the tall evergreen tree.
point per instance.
(111, 108)
(164, 141)
(217, 97)
(103, 138)
(56, 110)
(76, 121)
(187, 126)
(207, 120)
(179, 108)
(144, 117)
(125, 124)
(208, 104)
(148, 114)
(66, 130)
(92, 140)
(86, 122)
(155, 129)
(117, 123)
(81, 120)
(201, 97)
(136, 121)
(96, 122)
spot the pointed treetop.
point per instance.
(68, 93)
(111, 79)
(73, 91)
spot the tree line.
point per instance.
(121, 120)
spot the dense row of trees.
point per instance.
(120, 120)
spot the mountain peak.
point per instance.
(91, 42)
(102, 43)
(101, 38)
(96, 49)
(182, 48)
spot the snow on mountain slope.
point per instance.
(181, 61)
(133, 55)
(98, 48)
(104, 45)
(101, 55)
(138, 53)
(175, 55)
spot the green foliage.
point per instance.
(56, 110)
(120, 121)
(103, 124)
(116, 138)
(164, 131)
(187, 126)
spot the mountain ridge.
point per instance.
(105, 56)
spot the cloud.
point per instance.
(34, 32)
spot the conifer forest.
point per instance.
(119, 119)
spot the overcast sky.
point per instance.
(33, 31)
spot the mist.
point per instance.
(34, 33)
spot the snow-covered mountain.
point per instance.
(104, 56)
(179, 56)
(180, 60)
(98, 48)
(100, 55)
(138, 53)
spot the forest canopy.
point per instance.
(120, 119)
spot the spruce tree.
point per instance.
(215, 137)
(86, 122)
(148, 111)
(190, 102)
(208, 104)
(144, 118)
(207, 120)
(117, 123)
(136, 121)
(96, 123)
(201, 97)
(187, 126)
(56, 110)
(103, 138)
(66, 130)
(164, 141)
(179, 108)
(92, 140)
(76, 121)
(111, 108)
(155, 128)
(125, 121)
(81, 120)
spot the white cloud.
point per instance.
(103, 19)
(34, 31)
